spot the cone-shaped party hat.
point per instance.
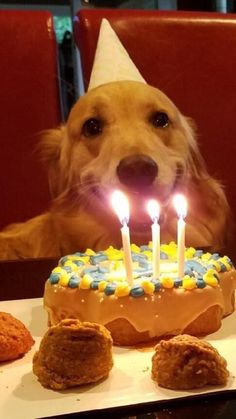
(111, 62)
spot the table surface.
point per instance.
(26, 279)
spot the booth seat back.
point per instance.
(191, 56)
(29, 103)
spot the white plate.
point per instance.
(129, 382)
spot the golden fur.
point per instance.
(83, 173)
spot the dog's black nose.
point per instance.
(137, 171)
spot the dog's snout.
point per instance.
(137, 171)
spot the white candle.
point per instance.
(154, 212)
(127, 253)
(121, 207)
(181, 247)
(180, 204)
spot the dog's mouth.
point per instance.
(138, 199)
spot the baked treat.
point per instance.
(185, 362)
(93, 287)
(73, 353)
(15, 339)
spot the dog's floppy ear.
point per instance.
(195, 163)
(209, 190)
(50, 154)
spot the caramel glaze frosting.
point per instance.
(148, 308)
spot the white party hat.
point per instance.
(111, 62)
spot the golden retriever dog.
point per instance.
(131, 137)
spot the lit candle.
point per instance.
(121, 207)
(180, 204)
(154, 211)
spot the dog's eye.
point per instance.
(160, 119)
(92, 127)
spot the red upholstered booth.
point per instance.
(29, 103)
(191, 56)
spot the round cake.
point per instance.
(93, 287)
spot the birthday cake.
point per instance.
(93, 287)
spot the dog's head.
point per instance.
(123, 135)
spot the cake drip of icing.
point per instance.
(104, 271)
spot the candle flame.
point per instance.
(153, 209)
(120, 205)
(180, 204)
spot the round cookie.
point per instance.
(15, 339)
(185, 362)
(73, 353)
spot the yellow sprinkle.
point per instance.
(206, 256)
(122, 290)
(210, 272)
(216, 264)
(148, 287)
(167, 282)
(114, 254)
(63, 281)
(148, 253)
(135, 248)
(102, 285)
(85, 282)
(189, 283)
(90, 252)
(190, 252)
(118, 264)
(210, 279)
(224, 260)
(84, 259)
(170, 249)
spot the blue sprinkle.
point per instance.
(96, 259)
(138, 273)
(90, 270)
(178, 283)
(73, 282)
(137, 291)
(222, 267)
(103, 270)
(140, 269)
(144, 264)
(189, 272)
(110, 288)
(78, 262)
(54, 278)
(94, 284)
(97, 275)
(156, 283)
(143, 272)
(79, 254)
(163, 255)
(200, 283)
(63, 260)
(136, 257)
(215, 256)
(196, 266)
(68, 269)
(229, 260)
(144, 247)
(198, 253)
